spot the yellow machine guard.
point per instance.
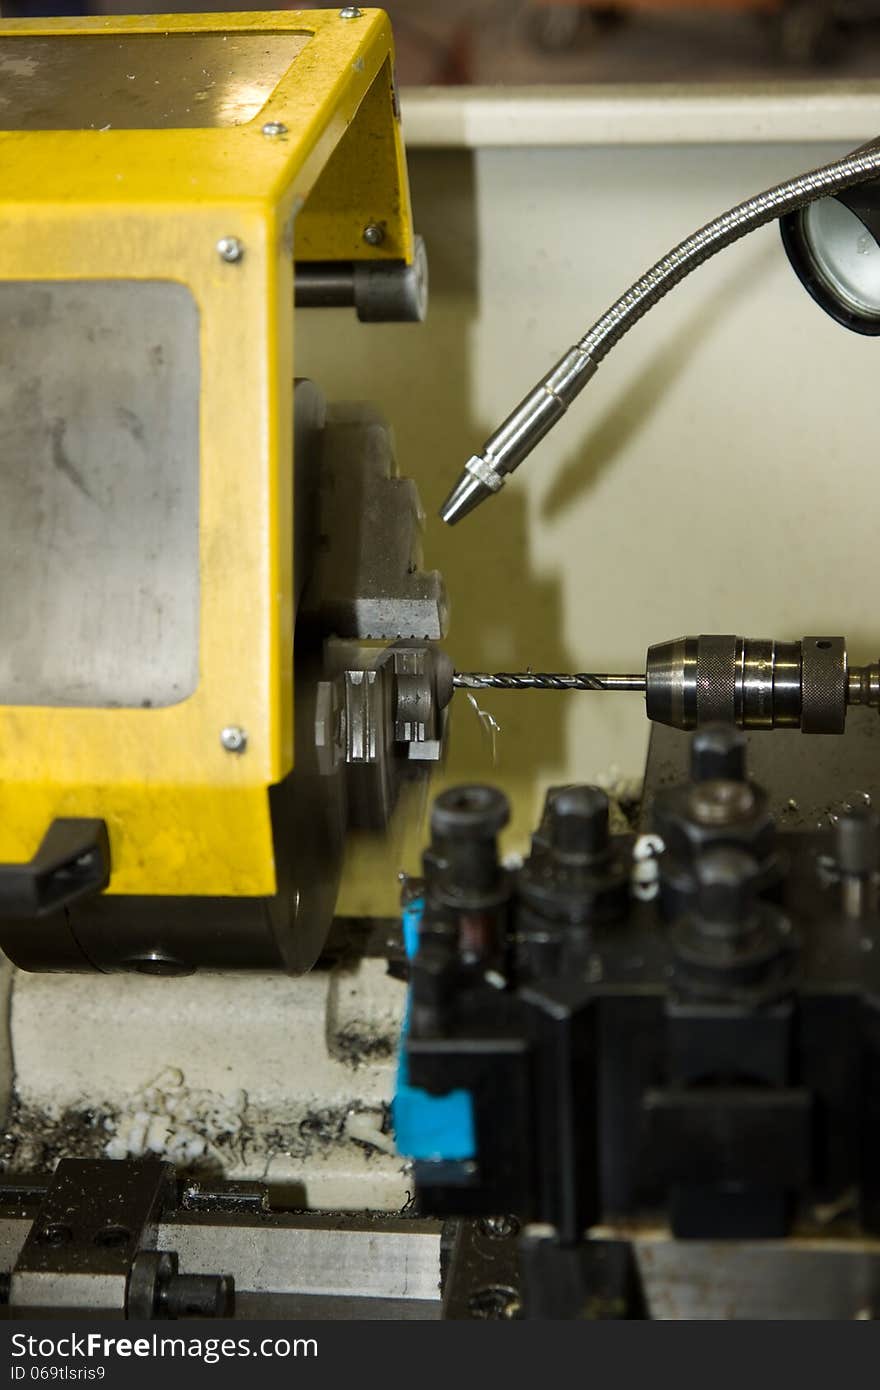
(208, 189)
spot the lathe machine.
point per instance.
(635, 1070)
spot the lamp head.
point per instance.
(834, 246)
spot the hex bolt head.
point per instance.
(54, 1234)
(273, 129)
(579, 820)
(721, 803)
(230, 249)
(727, 887)
(469, 812)
(233, 738)
(350, 12)
(718, 752)
(374, 234)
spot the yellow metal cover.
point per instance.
(280, 127)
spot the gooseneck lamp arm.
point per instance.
(484, 473)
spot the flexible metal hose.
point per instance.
(537, 413)
(723, 231)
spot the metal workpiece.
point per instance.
(505, 450)
(380, 291)
(380, 720)
(544, 406)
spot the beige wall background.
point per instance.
(719, 473)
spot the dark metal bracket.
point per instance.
(73, 860)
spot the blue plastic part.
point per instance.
(426, 1127)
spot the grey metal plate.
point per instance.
(99, 493)
(349, 1257)
(139, 81)
(317, 1308)
(796, 770)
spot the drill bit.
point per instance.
(545, 680)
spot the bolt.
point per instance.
(857, 840)
(274, 128)
(233, 738)
(350, 12)
(194, 1296)
(499, 1227)
(462, 868)
(721, 802)
(54, 1234)
(112, 1236)
(718, 752)
(727, 892)
(579, 821)
(470, 812)
(230, 249)
(857, 845)
(732, 942)
(374, 234)
(495, 1301)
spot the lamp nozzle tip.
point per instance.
(476, 482)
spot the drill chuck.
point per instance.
(752, 682)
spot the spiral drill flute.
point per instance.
(545, 680)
